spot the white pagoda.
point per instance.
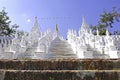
(48, 45)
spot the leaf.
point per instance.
(5, 28)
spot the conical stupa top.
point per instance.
(84, 26)
(107, 33)
(36, 23)
(83, 19)
(35, 32)
(97, 32)
(83, 22)
(56, 28)
(36, 26)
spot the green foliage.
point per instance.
(21, 32)
(5, 28)
(107, 19)
(51, 78)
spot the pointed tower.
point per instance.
(97, 32)
(57, 30)
(84, 27)
(35, 28)
(84, 22)
(107, 33)
(35, 31)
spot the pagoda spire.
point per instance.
(36, 26)
(83, 21)
(107, 32)
(84, 27)
(97, 32)
(57, 29)
(36, 22)
(35, 31)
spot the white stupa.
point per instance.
(60, 48)
(44, 45)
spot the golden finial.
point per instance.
(56, 28)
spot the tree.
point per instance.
(5, 28)
(107, 19)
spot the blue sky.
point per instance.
(65, 13)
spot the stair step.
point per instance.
(61, 63)
(84, 71)
(60, 74)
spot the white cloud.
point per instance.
(28, 20)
